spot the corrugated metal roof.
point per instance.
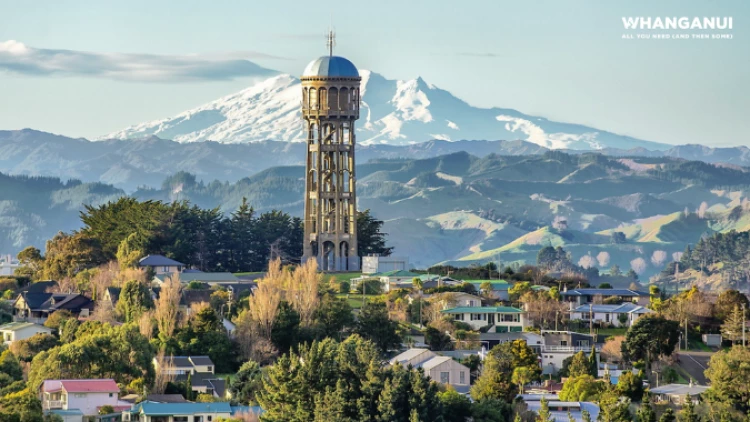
(623, 308)
(605, 292)
(82, 386)
(159, 260)
(483, 310)
(168, 409)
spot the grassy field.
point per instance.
(341, 276)
(355, 300)
(249, 273)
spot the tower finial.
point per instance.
(331, 40)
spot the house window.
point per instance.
(471, 303)
(606, 318)
(476, 317)
(180, 418)
(445, 377)
(583, 343)
(165, 269)
(563, 342)
(462, 377)
(110, 394)
(210, 369)
(459, 317)
(209, 418)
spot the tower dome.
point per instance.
(331, 67)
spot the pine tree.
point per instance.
(579, 365)
(586, 416)
(688, 410)
(646, 411)
(732, 327)
(667, 416)
(593, 365)
(544, 413)
(189, 387)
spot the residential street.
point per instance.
(695, 363)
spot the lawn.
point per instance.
(341, 276)
(620, 331)
(354, 299)
(249, 273)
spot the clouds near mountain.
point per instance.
(20, 58)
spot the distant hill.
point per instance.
(460, 208)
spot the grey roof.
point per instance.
(158, 261)
(201, 277)
(624, 308)
(437, 360)
(332, 67)
(408, 355)
(15, 326)
(166, 398)
(679, 389)
(201, 360)
(50, 302)
(40, 286)
(605, 292)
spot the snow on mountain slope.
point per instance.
(395, 112)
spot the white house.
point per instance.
(442, 369)
(8, 265)
(85, 395)
(676, 393)
(501, 318)
(559, 409)
(610, 314)
(15, 331)
(560, 345)
(177, 412)
(183, 365)
(583, 296)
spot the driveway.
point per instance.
(695, 363)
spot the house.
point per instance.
(499, 288)
(177, 412)
(210, 279)
(190, 297)
(584, 296)
(442, 369)
(8, 265)
(182, 365)
(84, 395)
(15, 331)
(112, 295)
(559, 409)
(160, 264)
(434, 281)
(37, 307)
(372, 264)
(560, 345)
(240, 289)
(500, 318)
(199, 368)
(205, 383)
(399, 279)
(458, 300)
(533, 340)
(622, 315)
(676, 393)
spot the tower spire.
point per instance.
(331, 42)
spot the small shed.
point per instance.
(713, 340)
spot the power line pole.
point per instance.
(591, 320)
(743, 325)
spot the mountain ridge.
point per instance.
(395, 112)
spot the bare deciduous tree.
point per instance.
(603, 259)
(103, 311)
(163, 375)
(612, 349)
(658, 258)
(146, 324)
(302, 291)
(677, 256)
(638, 265)
(168, 306)
(264, 303)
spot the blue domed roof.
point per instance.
(332, 67)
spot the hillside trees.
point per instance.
(729, 374)
(345, 380)
(649, 338)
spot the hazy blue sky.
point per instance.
(560, 59)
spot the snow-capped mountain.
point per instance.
(395, 112)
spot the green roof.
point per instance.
(488, 281)
(483, 310)
(14, 326)
(398, 273)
